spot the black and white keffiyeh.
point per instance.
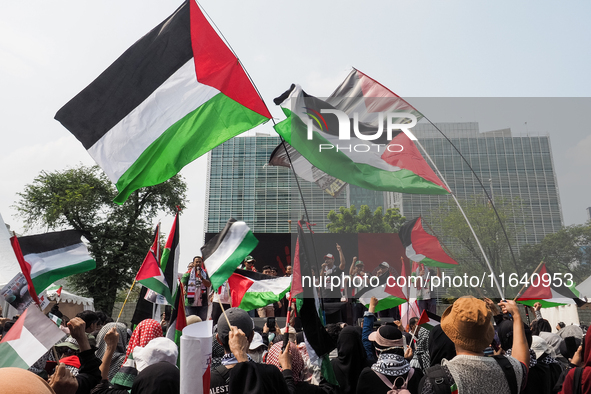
(391, 365)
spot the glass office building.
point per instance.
(241, 185)
(515, 168)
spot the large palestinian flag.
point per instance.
(174, 95)
(319, 134)
(224, 252)
(542, 290)
(423, 247)
(251, 290)
(46, 258)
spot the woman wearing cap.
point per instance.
(391, 371)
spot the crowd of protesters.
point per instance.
(479, 347)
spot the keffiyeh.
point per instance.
(145, 331)
(120, 354)
(297, 362)
(391, 365)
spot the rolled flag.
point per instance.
(30, 337)
(175, 94)
(224, 252)
(423, 247)
(251, 290)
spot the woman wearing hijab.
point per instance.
(440, 346)
(391, 370)
(120, 352)
(142, 335)
(350, 361)
(162, 377)
(297, 367)
(582, 360)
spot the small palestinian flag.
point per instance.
(150, 275)
(175, 94)
(251, 290)
(429, 320)
(224, 252)
(356, 117)
(169, 262)
(30, 337)
(46, 258)
(542, 290)
(388, 296)
(422, 246)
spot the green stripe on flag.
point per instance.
(256, 300)
(46, 279)
(340, 166)
(10, 358)
(198, 132)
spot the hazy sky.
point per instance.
(49, 51)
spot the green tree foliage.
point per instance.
(348, 220)
(568, 250)
(452, 230)
(119, 235)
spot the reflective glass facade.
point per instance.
(242, 186)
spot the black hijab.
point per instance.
(351, 360)
(159, 378)
(440, 346)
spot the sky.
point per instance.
(50, 51)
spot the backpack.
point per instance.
(441, 383)
(397, 390)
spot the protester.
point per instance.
(237, 374)
(440, 346)
(468, 324)
(350, 361)
(391, 371)
(118, 352)
(197, 283)
(257, 350)
(421, 337)
(328, 270)
(581, 364)
(159, 378)
(89, 374)
(269, 310)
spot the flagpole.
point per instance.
(494, 277)
(125, 302)
(523, 287)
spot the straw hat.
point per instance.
(468, 323)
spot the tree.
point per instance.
(349, 221)
(119, 236)
(451, 228)
(567, 250)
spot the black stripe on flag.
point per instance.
(49, 241)
(210, 247)
(405, 232)
(136, 74)
(253, 275)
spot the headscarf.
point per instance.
(119, 355)
(21, 381)
(568, 386)
(350, 361)
(158, 378)
(297, 362)
(440, 346)
(158, 350)
(145, 331)
(421, 354)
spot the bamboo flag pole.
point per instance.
(224, 312)
(494, 277)
(523, 287)
(125, 302)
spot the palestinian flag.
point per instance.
(169, 262)
(30, 337)
(542, 290)
(388, 296)
(224, 252)
(174, 95)
(46, 258)
(143, 308)
(429, 320)
(391, 164)
(423, 247)
(251, 290)
(178, 319)
(151, 276)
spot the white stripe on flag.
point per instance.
(276, 285)
(412, 255)
(231, 241)
(121, 146)
(28, 347)
(58, 258)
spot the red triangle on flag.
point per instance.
(17, 328)
(539, 292)
(149, 269)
